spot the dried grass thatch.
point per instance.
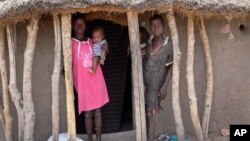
(16, 10)
(108, 16)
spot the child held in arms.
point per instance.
(100, 48)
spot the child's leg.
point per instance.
(98, 124)
(103, 56)
(95, 62)
(151, 120)
(88, 124)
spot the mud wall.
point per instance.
(230, 54)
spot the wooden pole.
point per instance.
(138, 85)
(190, 80)
(29, 111)
(67, 53)
(55, 78)
(6, 95)
(175, 76)
(14, 92)
(209, 77)
(2, 46)
(2, 119)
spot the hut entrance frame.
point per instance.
(137, 78)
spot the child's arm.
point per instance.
(96, 60)
(105, 50)
(105, 47)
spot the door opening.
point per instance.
(117, 114)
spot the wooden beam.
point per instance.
(6, 94)
(67, 53)
(29, 111)
(190, 80)
(56, 77)
(209, 77)
(137, 77)
(14, 92)
(2, 119)
(176, 76)
(2, 46)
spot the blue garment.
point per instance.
(174, 138)
(97, 47)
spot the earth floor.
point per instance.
(130, 136)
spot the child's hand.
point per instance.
(91, 71)
(162, 94)
(102, 61)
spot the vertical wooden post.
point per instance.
(2, 119)
(2, 61)
(55, 78)
(6, 95)
(190, 80)
(209, 77)
(138, 85)
(176, 76)
(29, 111)
(67, 53)
(14, 92)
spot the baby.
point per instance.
(100, 48)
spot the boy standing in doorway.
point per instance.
(156, 74)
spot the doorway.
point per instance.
(117, 114)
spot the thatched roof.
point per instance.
(14, 9)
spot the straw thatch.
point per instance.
(14, 10)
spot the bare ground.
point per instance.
(130, 136)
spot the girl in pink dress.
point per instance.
(91, 87)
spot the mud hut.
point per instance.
(210, 69)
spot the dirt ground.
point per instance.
(120, 136)
(130, 136)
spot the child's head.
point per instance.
(98, 34)
(157, 25)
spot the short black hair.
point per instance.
(157, 17)
(78, 16)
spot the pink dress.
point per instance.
(91, 88)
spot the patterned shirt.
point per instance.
(97, 47)
(155, 71)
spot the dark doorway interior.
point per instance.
(117, 114)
